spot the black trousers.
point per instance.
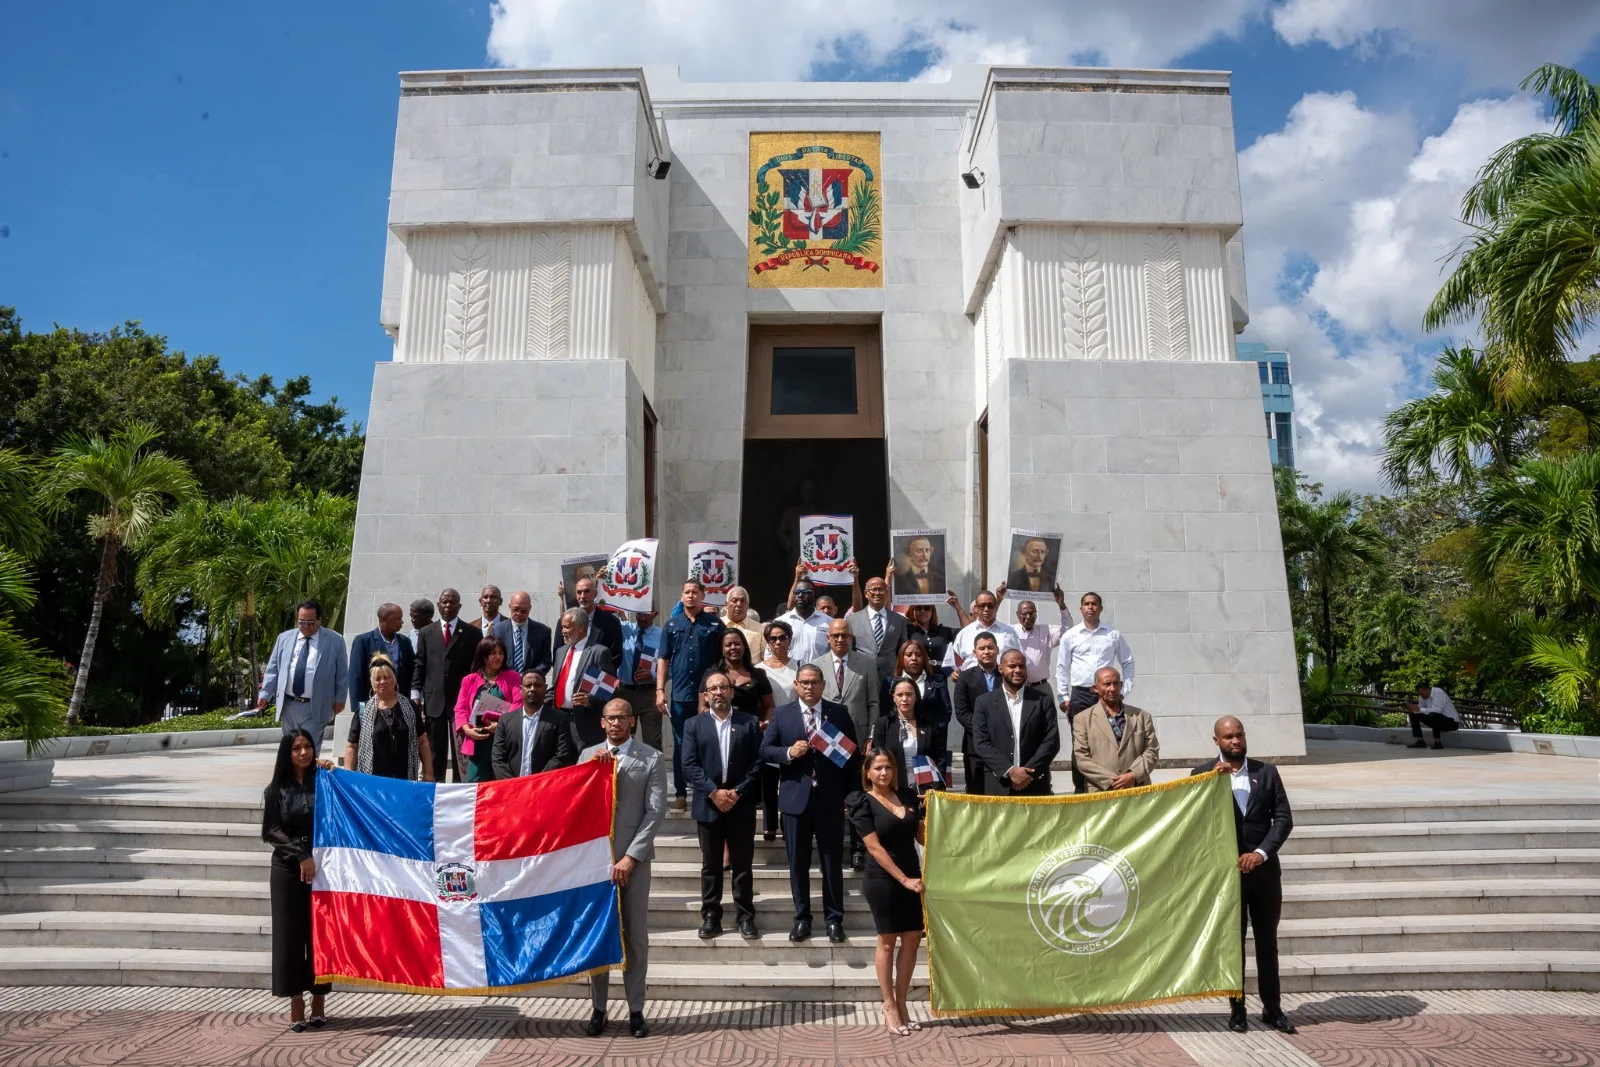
(972, 767)
(826, 823)
(737, 830)
(1082, 697)
(442, 739)
(293, 969)
(1434, 721)
(1261, 905)
(769, 798)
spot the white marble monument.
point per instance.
(1043, 331)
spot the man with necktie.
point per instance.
(578, 652)
(811, 792)
(722, 761)
(965, 690)
(307, 675)
(878, 629)
(445, 648)
(641, 638)
(527, 640)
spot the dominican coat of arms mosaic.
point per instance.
(816, 211)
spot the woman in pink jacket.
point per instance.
(489, 678)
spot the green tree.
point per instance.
(1572, 667)
(130, 489)
(1331, 543)
(1539, 534)
(1530, 272)
(32, 688)
(1457, 430)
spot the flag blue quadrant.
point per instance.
(396, 816)
(533, 939)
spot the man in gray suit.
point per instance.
(307, 675)
(641, 803)
(850, 678)
(878, 629)
(579, 650)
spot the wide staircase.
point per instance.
(113, 891)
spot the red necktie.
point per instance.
(446, 635)
(561, 678)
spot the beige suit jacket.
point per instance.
(1101, 757)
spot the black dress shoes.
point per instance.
(596, 1023)
(836, 933)
(636, 1024)
(748, 931)
(801, 931)
(1279, 1022)
(709, 929)
(1237, 1022)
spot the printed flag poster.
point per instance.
(575, 567)
(464, 889)
(716, 564)
(918, 566)
(1035, 558)
(1094, 902)
(816, 211)
(627, 581)
(827, 547)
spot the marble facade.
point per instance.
(542, 290)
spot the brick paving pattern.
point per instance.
(70, 1026)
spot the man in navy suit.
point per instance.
(387, 639)
(1262, 820)
(527, 640)
(811, 791)
(722, 762)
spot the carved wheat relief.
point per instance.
(1083, 295)
(549, 296)
(1166, 313)
(466, 320)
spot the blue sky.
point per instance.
(220, 171)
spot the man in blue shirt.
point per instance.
(691, 644)
(638, 674)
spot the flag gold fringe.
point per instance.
(1060, 800)
(478, 991)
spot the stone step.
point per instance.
(1442, 864)
(1407, 837)
(1440, 933)
(1485, 809)
(142, 895)
(57, 806)
(85, 864)
(109, 929)
(131, 833)
(1531, 894)
(717, 980)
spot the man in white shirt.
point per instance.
(1433, 709)
(307, 675)
(722, 763)
(984, 609)
(1038, 642)
(1085, 648)
(810, 626)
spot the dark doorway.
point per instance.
(849, 475)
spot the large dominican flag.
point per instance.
(464, 888)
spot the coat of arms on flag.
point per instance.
(832, 742)
(816, 218)
(464, 888)
(597, 683)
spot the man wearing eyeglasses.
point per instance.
(307, 675)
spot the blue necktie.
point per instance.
(877, 628)
(297, 679)
(516, 647)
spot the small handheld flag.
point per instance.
(924, 773)
(597, 683)
(647, 653)
(831, 741)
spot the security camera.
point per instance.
(972, 178)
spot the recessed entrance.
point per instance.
(813, 444)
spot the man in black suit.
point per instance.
(577, 653)
(605, 627)
(537, 740)
(722, 763)
(1016, 733)
(445, 648)
(811, 791)
(527, 640)
(975, 681)
(1262, 821)
(386, 639)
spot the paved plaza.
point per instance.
(234, 1028)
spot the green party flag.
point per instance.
(1037, 905)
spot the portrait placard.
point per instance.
(628, 581)
(1035, 558)
(576, 567)
(828, 547)
(716, 564)
(918, 557)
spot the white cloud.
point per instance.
(1500, 42)
(732, 40)
(1348, 195)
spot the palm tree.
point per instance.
(1331, 543)
(1532, 269)
(1573, 667)
(1457, 430)
(32, 688)
(315, 561)
(1539, 534)
(130, 489)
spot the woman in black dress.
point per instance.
(889, 820)
(396, 739)
(288, 806)
(752, 691)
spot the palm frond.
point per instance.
(33, 689)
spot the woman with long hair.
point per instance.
(288, 808)
(905, 735)
(922, 620)
(490, 677)
(889, 819)
(934, 710)
(387, 736)
(780, 669)
(752, 692)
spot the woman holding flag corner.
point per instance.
(288, 808)
(888, 817)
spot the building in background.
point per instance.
(1277, 398)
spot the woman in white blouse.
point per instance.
(780, 672)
